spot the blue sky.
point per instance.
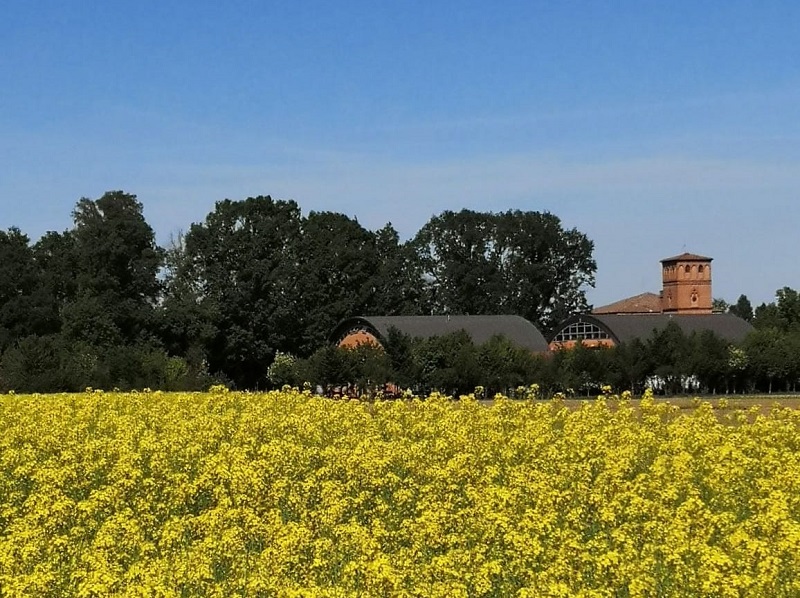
(652, 127)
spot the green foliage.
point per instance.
(335, 277)
(515, 262)
(396, 286)
(448, 363)
(504, 366)
(742, 308)
(117, 262)
(670, 352)
(399, 348)
(767, 355)
(258, 278)
(788, 301)
(284, 370)
(709, 360)
(232, 287)
(370, 368)
(767, 315)
(45, 364)
(719, 305)
(632, 364)
(783, 314)
(26, 308)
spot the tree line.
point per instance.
(669, 361)
(103, 305)
(248, 297)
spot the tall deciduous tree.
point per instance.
(515, 262)
(117, 263)
(397, 287)
(257, 278)
(336, 277)
(187, 327)
(235, 280)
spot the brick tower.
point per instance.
(687, 284)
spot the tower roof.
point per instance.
(687, 257)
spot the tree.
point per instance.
(504, 365)
(187, 326)
(782, 314)
(788, 302)
(336, 277)
(515, 262)
(792, 341)
(737, 366)
(257, 278)
(397, 287)
(26, 307)
(669, 349)
(234, 284)
(460, 262)
(767, 315)
(284, 370)
(400, 349)
(581, 369)
(719, 305)
(742, 308)
(49, 363)
(709, 360)
(633, 362)
(448, 363)
(330, 367)
(116, 262)
(371, 368)
(767, 355)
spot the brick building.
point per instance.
(685, 299)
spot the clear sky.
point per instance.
(653, 127)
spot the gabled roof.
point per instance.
(626, 327)
(480, 328)
(687, 257)
(645, 303)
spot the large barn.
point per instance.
(375, 329)
(685, 299)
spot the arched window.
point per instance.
(581, 331)
(686, 271)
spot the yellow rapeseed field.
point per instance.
(287, 494)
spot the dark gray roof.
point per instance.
(626, 327)
(481, 328)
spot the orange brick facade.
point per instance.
(358, 337)
(686, 285)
